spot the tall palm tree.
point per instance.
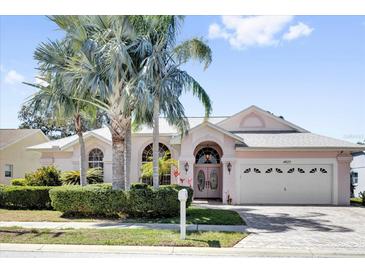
(105, 68)
(164, 78)
(53, 98)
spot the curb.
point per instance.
(187, 251)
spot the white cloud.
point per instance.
(247, 31)
(13, 77)
(297, 31)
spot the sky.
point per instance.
(309, 69)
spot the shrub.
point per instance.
(140, 201)
(99, 199)
(139, 186)
(88, 200)
(18, 182)
(25, 197)
(44, 176)
(145, 201)
(72, 177)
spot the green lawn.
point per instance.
(194, 216)
(135, 237)
(8, 215)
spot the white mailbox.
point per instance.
(183, 196)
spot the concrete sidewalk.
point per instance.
(106, 225)
(46, 250)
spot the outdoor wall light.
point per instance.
(186, 166)
(229, 167)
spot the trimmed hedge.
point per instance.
(88, 200)
(25, 197)
(145, 201)
(99, 199)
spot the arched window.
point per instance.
(207, 155)
(147, 155)
(96, 157)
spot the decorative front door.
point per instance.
(207, 182)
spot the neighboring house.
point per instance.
(358, 172)
(15, 159)
(252, 157)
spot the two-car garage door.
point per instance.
(286, 184)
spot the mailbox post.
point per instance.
(183, 196)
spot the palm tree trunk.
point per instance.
(118, 161)
(128, 157)
(155, 154)
(83, 168)
(83, 164)
(119, 128)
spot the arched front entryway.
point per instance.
(208, 171)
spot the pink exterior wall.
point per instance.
(344, 179)
(184, 153)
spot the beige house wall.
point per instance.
(23, 160)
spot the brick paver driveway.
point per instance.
(303, 227)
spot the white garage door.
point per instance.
(286, 184)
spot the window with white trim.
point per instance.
(8, 172)
(96, 158)
(147, 155)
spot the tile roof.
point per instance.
(104, 133)
(293, 140)
(264, 140)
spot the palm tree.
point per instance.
(52, 101)
(52, 98)
(105, 68)
(165, 80)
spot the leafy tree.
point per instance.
(31, 119)
(54, 129)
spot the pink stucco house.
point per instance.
(252, 157)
